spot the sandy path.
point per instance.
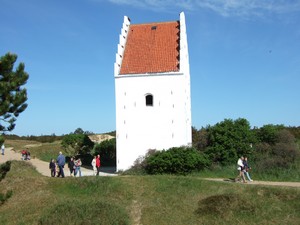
(43, 167)
(269, 183)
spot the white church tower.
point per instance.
(152, 87)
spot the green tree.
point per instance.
(200, 138)
(268, 133)
(75, 144)
(228, 140)
(12, 95)
(78, 131)
(107, 151)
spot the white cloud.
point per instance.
(223, 7)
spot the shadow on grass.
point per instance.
(224, 205)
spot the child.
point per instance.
(52, 167)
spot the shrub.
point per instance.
(4, 197)
(4, 168)
(178, 160)
(75, 144)
(228, 140)
(107, 151)
(279, 155)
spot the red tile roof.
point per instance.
(151, 48)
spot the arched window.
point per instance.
(149, 100)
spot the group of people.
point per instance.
(243, 169)
(75, 167)
(25, 154)
(57, 167)
(96, 163)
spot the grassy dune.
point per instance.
(43, 151)
(141, 200)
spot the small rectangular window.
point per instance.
(149, 100)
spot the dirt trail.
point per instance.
(270, 183)
(43, 167)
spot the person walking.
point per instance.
(61, 160)
(98, 164)
(94, 165)
(71, 166)
(246, 169)
(2, 149)
(240, 168)
(52, 167)
(78, 164)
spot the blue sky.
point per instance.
(244, 59)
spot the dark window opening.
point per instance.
(149, 100)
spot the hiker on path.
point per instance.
(2, 149)
(61, 160)
(52, 167)
(78, 164)
(98, 164)
(71, 166)
(240, 168)
(247, 168)
(94, 165)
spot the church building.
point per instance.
(152, 88)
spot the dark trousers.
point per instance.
(53, 172)
(98, 171)
(61, 171)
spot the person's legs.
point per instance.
(243, 177)
(98, 170)
(248, 175)
(238, 178)
(61, 171)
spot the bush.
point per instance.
(75, 144)
(107, 151)
(178, 160)
(228, 140)
(279, 155)
(4, 168)
(4, 197)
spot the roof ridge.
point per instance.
(174, 21)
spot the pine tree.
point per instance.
(12, 95)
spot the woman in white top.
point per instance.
(94, 165)
(241, 170)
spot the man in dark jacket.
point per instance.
(61, 160)
(71, 166)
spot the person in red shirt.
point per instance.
(98, 164)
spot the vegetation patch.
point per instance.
(85, 212)
(4, 197)
(224, 205)
(4, 168)
(181, 160)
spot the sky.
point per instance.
(244, 59)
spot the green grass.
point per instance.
(141, 200)
(46, 151)
(43, 151)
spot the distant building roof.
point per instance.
(152, 48)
